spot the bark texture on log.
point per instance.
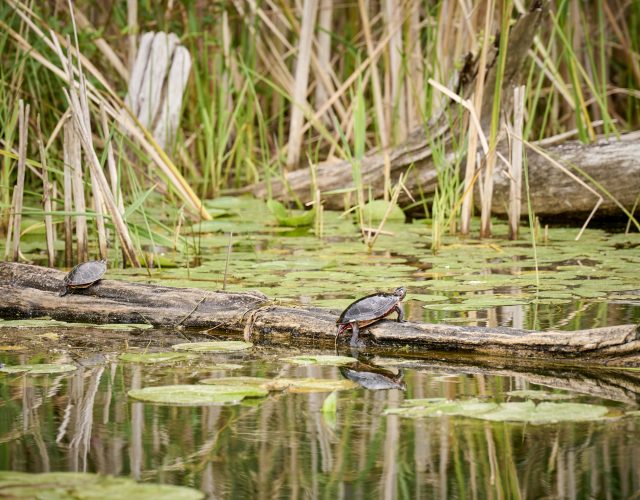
(31, 291)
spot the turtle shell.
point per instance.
(85, 274)
(371, 307)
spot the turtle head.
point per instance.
(400, 292)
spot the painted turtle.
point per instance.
(84, 275)
(368, 310)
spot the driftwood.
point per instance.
(614, 164)
(30, 291)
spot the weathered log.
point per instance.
(30, 291)
(614, 164)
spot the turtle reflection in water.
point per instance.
(374, 377)
(368, 310)
(84, 275)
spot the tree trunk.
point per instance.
(30, 292)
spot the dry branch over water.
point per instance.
(31, 291)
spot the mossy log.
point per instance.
(31, 292)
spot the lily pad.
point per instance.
(213, 346)
(540, 395)
(528, 411)
(306, 385)
(243, 381)
(320, 359)
(64, 485)
(156, 357)
(299, 385)
(284, 218)
(197, 395)
(423, 297)
(41, 369)
(375, 211)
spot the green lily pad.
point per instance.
(299, 385)
(540, 395)
(213, 346)
(282, 215)
(423, 297)
(375, 211)
(243, 381)
(64, 485)
(156, 357)
(41, 369)
(320, 359)
(197, 395)
(306, 385)
(528, 411)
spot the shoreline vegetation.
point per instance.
(262, 93)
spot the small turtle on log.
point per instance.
(370, 309)
(84, 275)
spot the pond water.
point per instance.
(289, 445)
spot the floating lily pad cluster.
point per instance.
(466, 276)
(230, 390)
(526, 411)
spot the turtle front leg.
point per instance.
(398, 309)
(354, 336)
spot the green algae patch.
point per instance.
(299, 385)
(156, 357)
(527, 412)
(197, 395)
(41, 369)
(213, 346)
(64, 485)
(320, 359)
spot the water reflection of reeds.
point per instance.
(283, 447)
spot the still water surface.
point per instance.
(285, 446)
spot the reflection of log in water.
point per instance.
(613, 384)
(30, 292)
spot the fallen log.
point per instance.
(614, 164)
(31, 292)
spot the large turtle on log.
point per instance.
(370, 309)
(83, 275)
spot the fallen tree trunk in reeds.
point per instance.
(31, 292)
